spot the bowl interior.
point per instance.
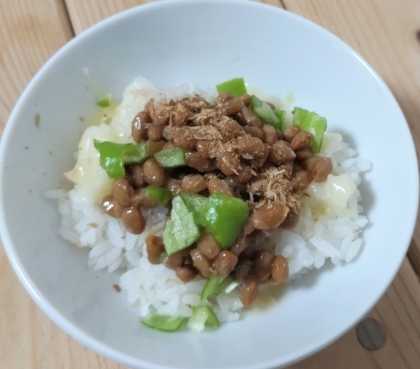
(204, 43)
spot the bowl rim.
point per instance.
(78, 333)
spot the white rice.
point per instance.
(156, 289)
(332, 236)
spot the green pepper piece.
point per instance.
(264, 111)
(180, 231)
(210, 288)
(224, 216)
(212, 320)
(113, 156)
(196, 204)
(202, 316)
(216, 285)
(224, 284)
(105, 102)
(281, 115)
(163, 322)
(159, 194)
(136, 153)
(171, 158)
(235, 86)
(312, 123)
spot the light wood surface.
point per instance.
(29, 36)
(383, 31)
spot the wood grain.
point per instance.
(383, 31)
(29, 35)
(84, 14)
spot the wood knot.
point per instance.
(418, 35)
(371, 334)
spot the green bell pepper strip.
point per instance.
(235, 86)
(163, 322)
(171, 158)
(113, 156)
(202, 316)
(214, 286)
(224, 216)
(136, 153)
(224, 284)
(210, 288)
(105, 102)
(195, 203)
(159, 194)
(281, 115)
(264, 111)
(180, 231)
(312, 123)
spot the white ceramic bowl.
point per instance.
(205, 42)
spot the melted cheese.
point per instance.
(330, 195)
(88, 176)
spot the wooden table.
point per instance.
(385, 32)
